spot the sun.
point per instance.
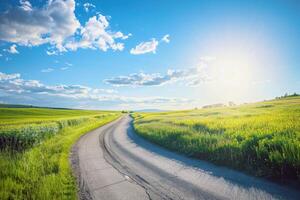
(237, 65)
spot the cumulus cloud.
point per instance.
(87, 6)
(25, 5)
(191, 76)
(149, 47)
(145, 47)
(14, 89)
(12, 49)
(55, 23)
(47, 70)
(121, 35)
(95, 35)
(30, 26)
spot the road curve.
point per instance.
(113, 163)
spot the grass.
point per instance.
(42, 170)
(14, 116)
(262, 139)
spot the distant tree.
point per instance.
(288, 95)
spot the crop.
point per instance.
(20, 137)
(36, 144)
(21, 128)
(261, 138)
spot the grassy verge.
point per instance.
(43, 171)
(262, 138)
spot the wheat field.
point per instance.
(262, 138)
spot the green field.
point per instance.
(35, 146)
(262, 138)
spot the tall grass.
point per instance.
(42, 170)
(262, 139)
(20, 137)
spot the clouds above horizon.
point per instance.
(14, 89)
(149, 47)
(191, 77)
(56, 24)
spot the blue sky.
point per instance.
(147, 54)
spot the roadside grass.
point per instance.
(42, 170)
(262, 138)
(13, 116)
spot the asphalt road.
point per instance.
(113, 163)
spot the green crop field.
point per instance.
(35, 144)
(262, 138)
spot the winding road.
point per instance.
(113, 163)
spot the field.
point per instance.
(262, 138)
(35, 146)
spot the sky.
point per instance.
(143, 54)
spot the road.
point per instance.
(113, 163)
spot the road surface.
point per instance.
(113, 163)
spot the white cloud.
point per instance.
(64, 68)
(121, 35)
(96, 35)
(14, 89)
(14, 83)
(87, 6)
(12, 49)
(145, 47)
(25, 5)
(47, 70)
(5, 77)
(1, 55)
(149, 47)
(32, 26)
(191, 76)
(55, 23)
(51, 53)
(69, 64)
(109, 91)
(166, 38)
